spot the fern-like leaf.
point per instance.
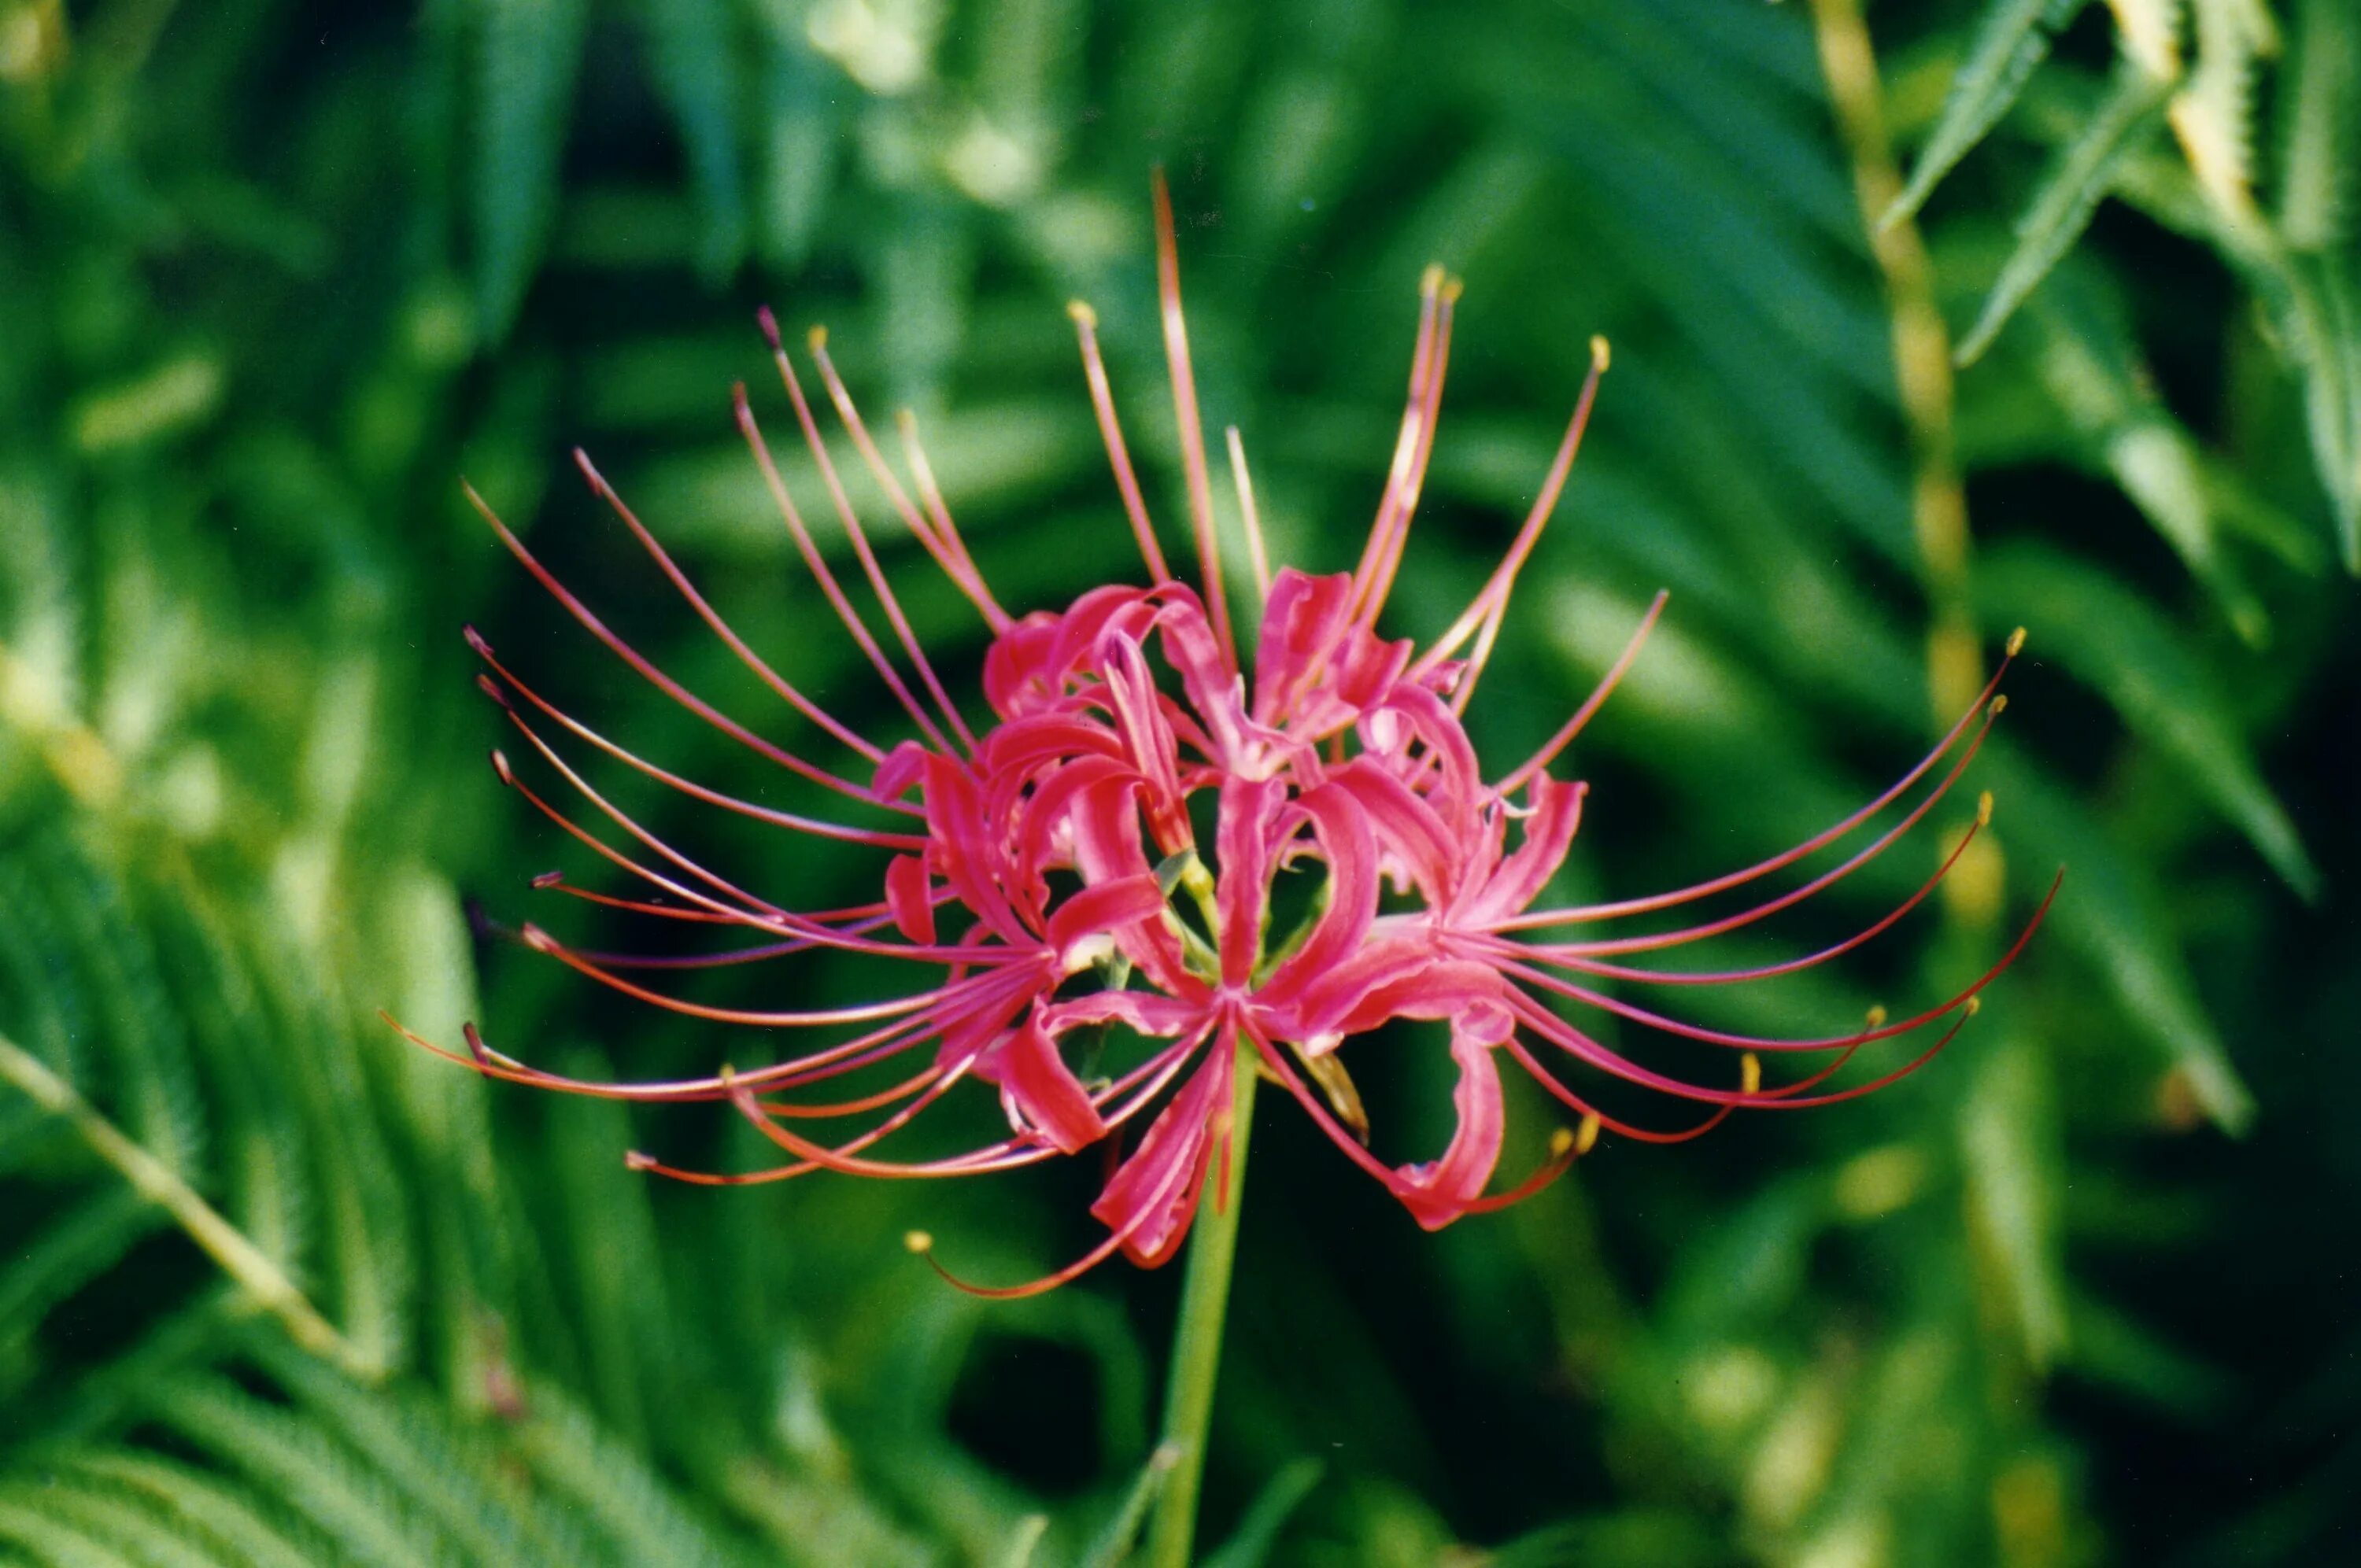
(2062, 208)
(2010, 43)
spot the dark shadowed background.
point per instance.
(276, 1287)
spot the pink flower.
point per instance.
(1045, 879)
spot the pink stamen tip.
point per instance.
(548, 879)
(770, 325)
(476, 640)
(539, 940)
(635, 1160)
(492, 688)
(501, 767)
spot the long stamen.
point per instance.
(1652, 1020)
(859, 538)
(920, 1243)
(541, 942)
(1566, 1146)
(854, 916)
(705, 611)
(496, 1065)
(1192, 432)
(819, 827)
(632, 656)
(957, 565)
(1592, 704)
(1429, 419)
(763, 914)
(1989, 706)
(1126, 482)
(819, 568)
(1257, 555)
(754, 911)
(1569, 956)
(930, 495)
(1788, 900)
(1504, 576)
(1421, 359)
(555, 881)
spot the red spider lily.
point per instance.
(1046, 874)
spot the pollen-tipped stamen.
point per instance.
(1126, 481)
(1193, 432)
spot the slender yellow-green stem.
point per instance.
(1197, 1341)
(263, 1281)
(1922, 374)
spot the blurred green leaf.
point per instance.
(2059, 211)
(2109, 637)
(2008, 45)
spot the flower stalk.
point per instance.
(1197, 1338)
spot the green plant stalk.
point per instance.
(1197, 1340)
(264, 1284)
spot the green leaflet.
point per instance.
(527, 52)
(2061, 208)
(2110, 638)
(2009, 45)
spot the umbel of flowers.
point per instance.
(1245, 855)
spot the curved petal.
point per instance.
(1440, 1190)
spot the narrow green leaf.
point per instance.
(295, 1463)
(805, 127)
(524, 90)
(2092, 368)
(60, 1258)
(1250, 1546)
(55, 1542)
(696, 61)
(2011, 41)
(2062, 208)
(1114, 1543)
(118, 1521)
(2109, 636)
(2005, 1130)
(202, 1506)
(2324, 340)
(2321, 120)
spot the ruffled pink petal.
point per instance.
(1153, 1195)
(1108, 909)
(1247, 842)
(1040, 1088)
(1440, 1190)
(1517, 880)
(910, 897)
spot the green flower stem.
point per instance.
(1197, 1341)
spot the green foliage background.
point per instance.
(275, 1288)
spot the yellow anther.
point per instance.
(1975, 1006)
(1560, 1142)
(1749, 1074)
(1983, 809)
(1083, 316)
(1431, 281)
(1585, 1137)
(2000, 704)
(1598, 355)
(1451, 289)
(818, 338)
(918, 1241)
(1877, 1016)
(2016, 642)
